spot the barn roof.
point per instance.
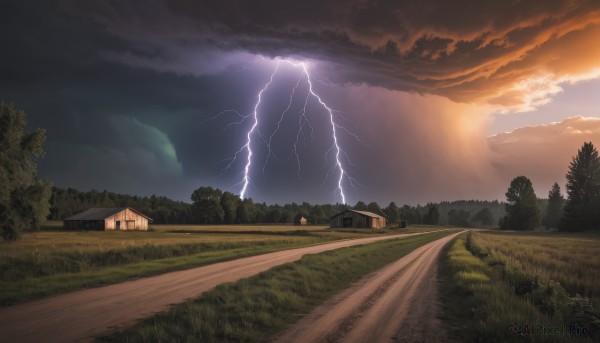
(364, 213)
(101, 213)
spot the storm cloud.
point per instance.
(542, 152)
(468, 51)
(129, 93)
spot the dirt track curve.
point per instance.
(397, 303)
(82, 315)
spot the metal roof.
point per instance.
(364, 213)
(101, 213)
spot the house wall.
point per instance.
(358, 221)
(128, 219)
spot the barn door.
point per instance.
(118, 225)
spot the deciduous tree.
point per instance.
(23, 196)
(207, 202)
(483, 216)
(360, 206)
(229, 203)
(521, 205)
(374, 207)
(392, 213)
(432, 216)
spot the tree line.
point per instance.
(214, 206)
(579, 211)
(67, 202)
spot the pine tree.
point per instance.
(582, 210)
(554, 209)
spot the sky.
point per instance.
(430, 100)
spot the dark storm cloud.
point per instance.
(54, 67)
(465, 50)
(125, 88)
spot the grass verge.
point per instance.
(488, 300)
(253, 309)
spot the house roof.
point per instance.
(364, 213)
(101, 213)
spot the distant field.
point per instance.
(239, 228)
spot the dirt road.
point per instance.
(85, 314)
(395, 304)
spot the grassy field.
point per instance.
(498, 283)
(53, 260)
(253, 309)
(573, 261)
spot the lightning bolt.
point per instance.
(278, 124)
(248, 144)
(333, 131)
(302, 122)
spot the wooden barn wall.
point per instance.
(83, 224)
(129, 221)
(379, 222)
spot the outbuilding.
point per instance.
(300, 220)
(357, 219)
(114, 218)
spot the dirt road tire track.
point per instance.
(82, 315)
(397, 303)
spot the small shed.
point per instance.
(357, 219)
(300, 220)
(114, 218)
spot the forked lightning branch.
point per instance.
(257, 117)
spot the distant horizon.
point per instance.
(382, 205)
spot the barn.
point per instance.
(357, 219)
(300, 220)
(115, 218)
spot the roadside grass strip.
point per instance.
(486, 299)
(255, 308)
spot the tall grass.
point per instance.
(50, 253)
(37, 263)
(46, 263)
(572, 261)
(253, 309)
(485, 297)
